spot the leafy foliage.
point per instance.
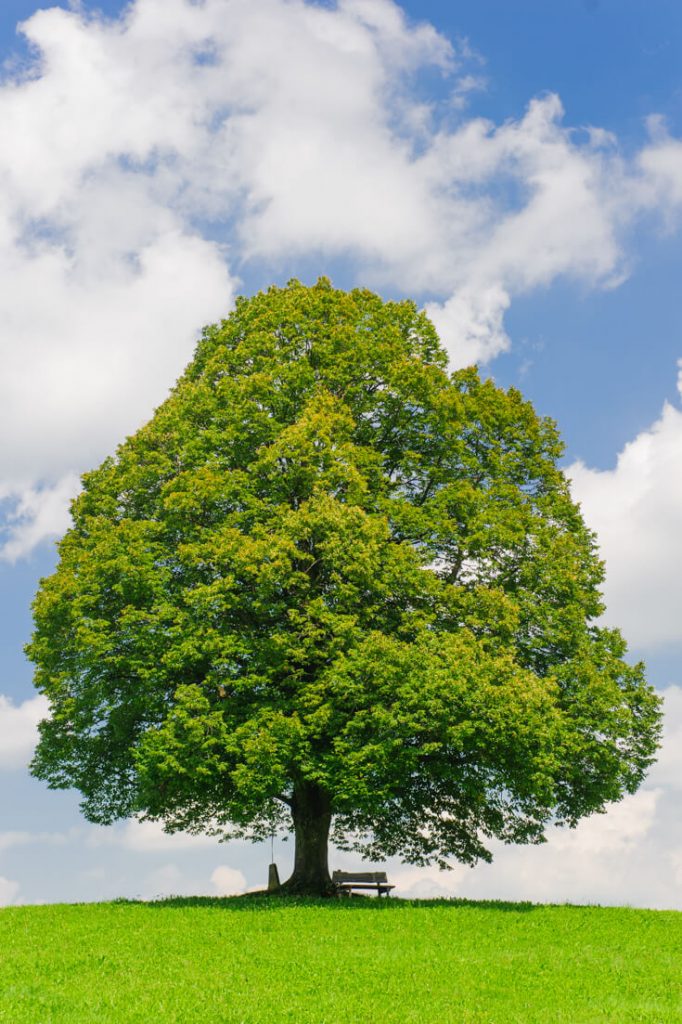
(327, 563)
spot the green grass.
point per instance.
(248, 960)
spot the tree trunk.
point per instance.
(311, 811)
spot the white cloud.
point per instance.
(619, 828)
(620, 857)
(19, 730)
(146, 837)
(228, 881)
(668, 768)
(287, 130)
(675, 858)
(426, 883)
(661, 167)
(8, 891)
(169, 880)
(473, 321)
(636, 510)
(36, 514)
(9, 840)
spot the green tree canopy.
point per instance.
(330, 585)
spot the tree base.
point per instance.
(304, 887)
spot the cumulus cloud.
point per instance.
(668, 768)
(9, 840)
(19, 730)
(169, 880)
(660, 164)
(148, 158)
(35, 513)
(622, 856)
(636, 510)
(8, 891)
(473, 321)
(228, 881)
(146, 837)
(619, 828)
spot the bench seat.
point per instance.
(346, 881)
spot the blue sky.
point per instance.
(516, 167)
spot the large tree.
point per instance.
(332, 588)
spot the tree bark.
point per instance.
(312, 816)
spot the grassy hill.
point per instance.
(250, 959)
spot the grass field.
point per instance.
(250, 959)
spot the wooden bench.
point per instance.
(346, 881)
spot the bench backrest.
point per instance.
(359, 876)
